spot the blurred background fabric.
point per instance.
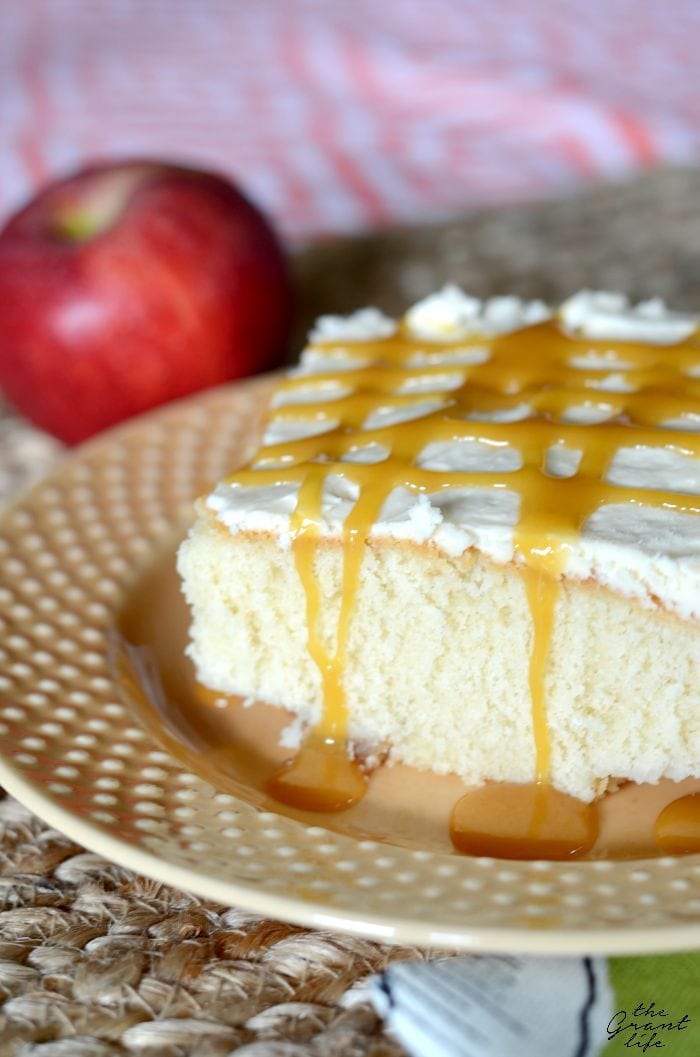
(347, 115)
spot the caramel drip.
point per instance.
(305, 530)
(542, 591)
(531, 370)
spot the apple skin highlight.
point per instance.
(128, 285)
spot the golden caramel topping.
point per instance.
(532, 392)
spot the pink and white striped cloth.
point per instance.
(340, 115)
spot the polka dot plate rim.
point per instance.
(71, 550)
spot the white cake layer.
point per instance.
(438, 657)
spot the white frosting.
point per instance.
(561, 461)
(504, 414)
(454, 357)
(331, 358)
(467, 455)
(660, 468)
(690, 423)
(366, 454)
(313, 394)
(280, 431)
(367, 324)
(383, 417)
(647, 553)
(588, 414)
(432, 383)
(451, 315)
(611, 383)
(604, 316)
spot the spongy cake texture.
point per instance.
(438, 655)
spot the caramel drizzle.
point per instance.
(529, 367)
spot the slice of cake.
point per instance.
(470, 540)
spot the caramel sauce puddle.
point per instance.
(512, 821)
(677, 829)
(320, 777)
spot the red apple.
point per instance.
(130, 284)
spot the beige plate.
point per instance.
(75, 553)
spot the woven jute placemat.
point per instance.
(97, 962)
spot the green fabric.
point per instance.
(646, 987)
